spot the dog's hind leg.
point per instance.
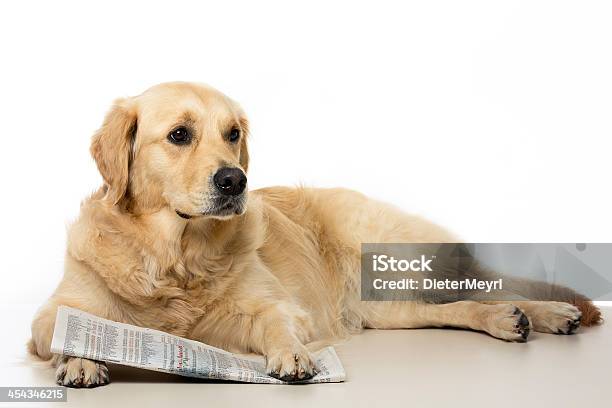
(548, 316)
(504, 321)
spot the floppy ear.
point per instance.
(244, 151)
(111, 148)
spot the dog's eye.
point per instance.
(234, 135)
(180, 136)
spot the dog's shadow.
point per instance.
(126, 374)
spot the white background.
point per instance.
(490, 117)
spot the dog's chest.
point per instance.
(180, 294)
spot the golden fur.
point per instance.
(279, 275)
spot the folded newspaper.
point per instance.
(81, 334)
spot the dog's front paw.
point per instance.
(291, 364)
(81, 373)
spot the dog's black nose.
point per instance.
(230, 181)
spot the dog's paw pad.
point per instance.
(573, 325)
(556, 318)
(509, 323)
(291, 366)
(81, 373)
(521, 327)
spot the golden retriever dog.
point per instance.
(174, 241)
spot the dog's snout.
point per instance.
(230, 181)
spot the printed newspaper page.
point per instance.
(81, 334)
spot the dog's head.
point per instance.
(179, 145)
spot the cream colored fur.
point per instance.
(281, 275)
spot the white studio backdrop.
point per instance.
(489, 117)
